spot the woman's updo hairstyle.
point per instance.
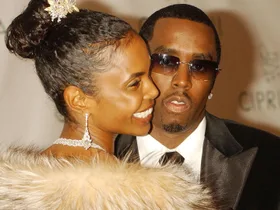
(28, 29)
(68, 52)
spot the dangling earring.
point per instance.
(86, 141)
(210, 96)
(86, 136)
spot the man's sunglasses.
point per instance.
(198, 69)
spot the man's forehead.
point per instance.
(175, 27)
(192, 38)
(176, 48)
(169, 22)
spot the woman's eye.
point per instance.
(135, 83)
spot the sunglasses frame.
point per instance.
(190, 64)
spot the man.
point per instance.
(240, 164)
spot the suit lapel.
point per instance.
(126, 148)
(225, 166)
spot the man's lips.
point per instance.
(177, 103)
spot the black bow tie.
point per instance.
(171, 157)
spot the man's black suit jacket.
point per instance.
(240, 164)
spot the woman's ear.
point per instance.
(75, 99)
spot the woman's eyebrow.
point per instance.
(136, 74)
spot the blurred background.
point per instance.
(247, 90)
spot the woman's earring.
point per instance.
(210, 96)
(86, 136)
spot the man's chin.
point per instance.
(174, 128)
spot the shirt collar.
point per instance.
(148, 145)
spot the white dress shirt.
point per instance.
(150, 150)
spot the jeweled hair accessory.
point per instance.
(60, 8)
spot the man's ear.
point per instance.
(75, 99)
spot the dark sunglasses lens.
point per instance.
(203, 69)
(164, 64)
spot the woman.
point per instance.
(96, 69)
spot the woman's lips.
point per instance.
(144, 121)
(144, 117)
(143, 114)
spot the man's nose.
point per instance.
(182, 78)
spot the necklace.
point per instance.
(86, 143)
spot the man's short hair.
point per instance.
(181, 11)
